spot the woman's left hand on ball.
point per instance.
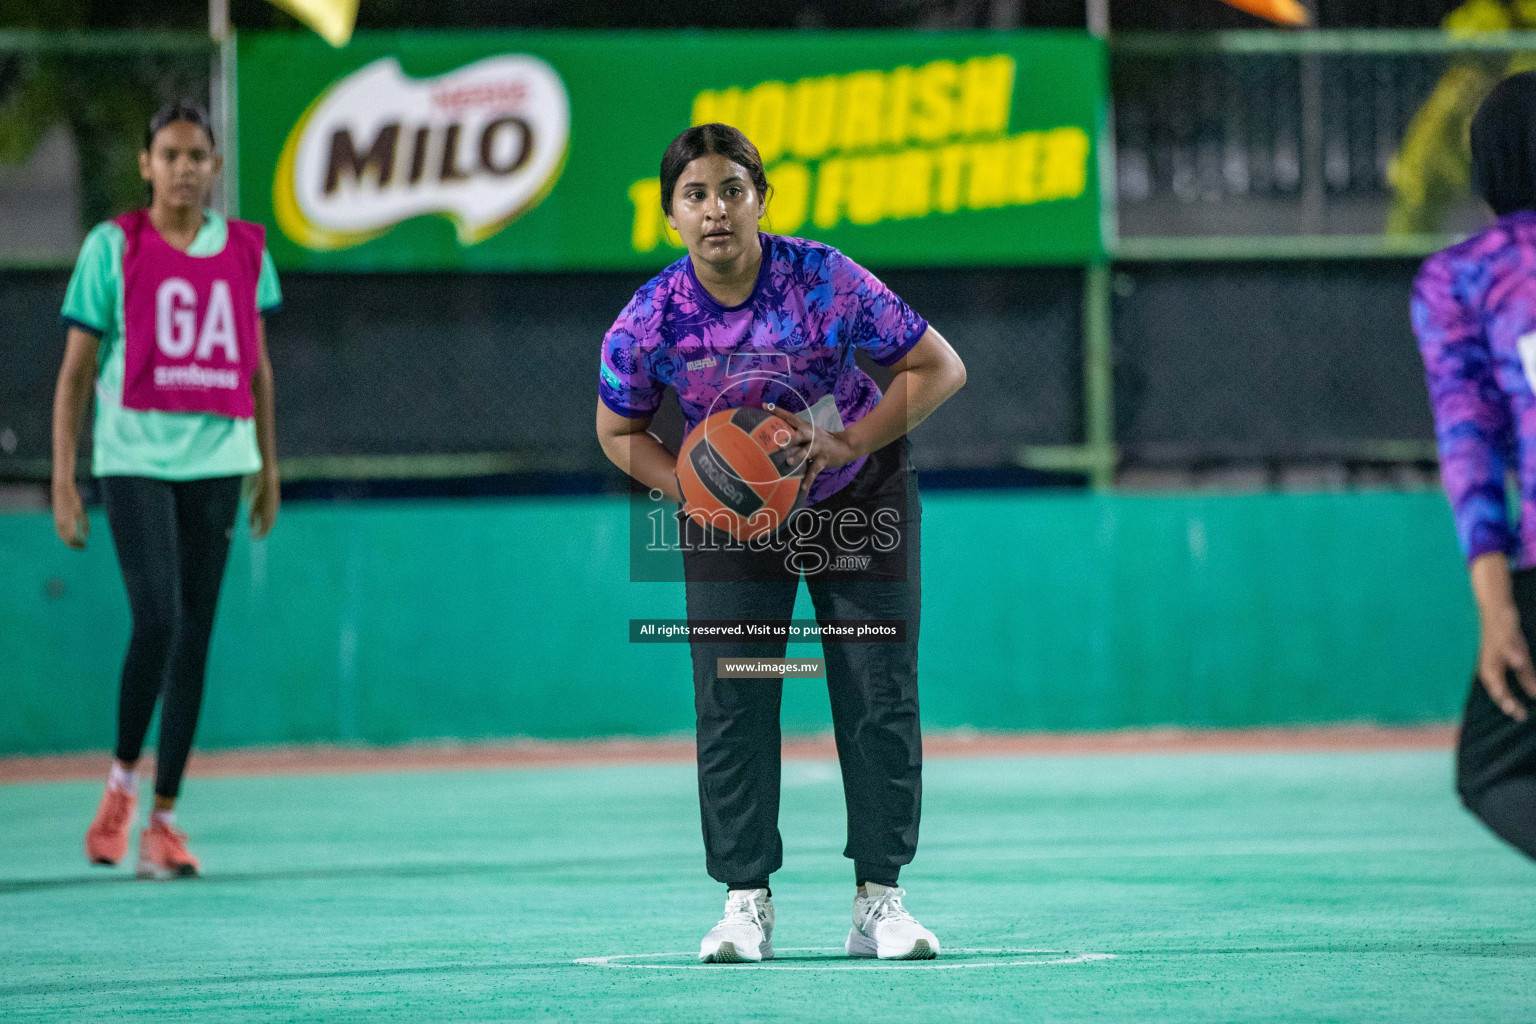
(821, 449)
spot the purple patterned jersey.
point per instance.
(1474, 311)
(791, 343)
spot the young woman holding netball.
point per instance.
(748, 319)
(164, 316)
(1474, 311)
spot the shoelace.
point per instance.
(117, 811)
(888, 907)
(176, 842)
(739, 908)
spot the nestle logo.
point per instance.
(504, 95)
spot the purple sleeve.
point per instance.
(883, 325)
(1472, 420)
(624, 381)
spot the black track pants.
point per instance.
(1496, 757)
(172, 540)
(873, 686)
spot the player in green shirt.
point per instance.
(164, 327)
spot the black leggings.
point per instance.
(172, 540)
(1496, 756)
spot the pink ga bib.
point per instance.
(190, 322)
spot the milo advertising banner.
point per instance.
(539, 151)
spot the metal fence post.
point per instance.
(1098, 376)
(229, 99)
(1098, 355)
(219, 97)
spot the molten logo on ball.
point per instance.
(736, 474)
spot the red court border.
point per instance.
(330, 760)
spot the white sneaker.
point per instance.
(745, 933)
(883, 928)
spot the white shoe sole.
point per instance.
(862, 946)
(726, 953)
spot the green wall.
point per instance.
(395, 621)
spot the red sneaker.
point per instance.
(106, 841)
(163, 853)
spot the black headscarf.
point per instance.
(1504, 145)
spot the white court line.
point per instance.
(1055, 957)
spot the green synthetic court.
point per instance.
(1172, 887)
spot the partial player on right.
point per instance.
(1474, 311)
